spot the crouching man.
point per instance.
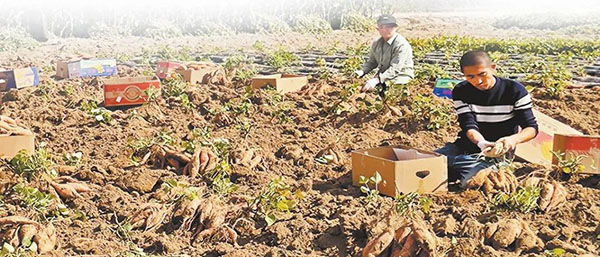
(391, 54)
(490, 110)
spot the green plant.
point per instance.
(569, 163)
(101, 115)
(180, 190)
(244, 126)
(13, 38)
(310, 24)
(175, 88)
(405, 204)
(281, 59)
(276, 200)
(342, 104)
(33, 198)
(372, 193)
(430, 72)
(240, 67)
(152, 94)
(73, 159)
(32, 165)
(27, 248)
(434, 113)
(357, 22)
(281, 112)
(219, 179)
(556, 252)
(88, 105)
(523, 200)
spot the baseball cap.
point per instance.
(386, 19)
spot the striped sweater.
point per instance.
(495, 113)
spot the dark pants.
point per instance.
(461, 165)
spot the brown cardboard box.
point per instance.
(538, 149)
(196, 76)
(11, 145)
(282, 82)
(62, 69)
(578, 145)
(402, 169)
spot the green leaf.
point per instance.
(7, 248)
(270, 219)
(364, 189)
(377, 177)
(26, 242)
(282, 205)
(33, 247)
(557, 252)
(362, 180)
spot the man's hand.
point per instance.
(370, 85)
(359, 73)
(510, 143)
(483, 144)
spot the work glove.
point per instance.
(358, 73)
(370, 85)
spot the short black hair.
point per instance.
(476, 57)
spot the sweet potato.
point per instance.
(426, 240)
(395, 111)
(546, 195)
(189, 212)
(527, 241)
(507, 233)
(150, 216)
(494, 151)
(479, 178)
(410, 246)
(16, 220)
(558, 196)
(46, 239)
(378, 244)
(65, 191)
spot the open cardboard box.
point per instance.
(128, 91)
(11, 145)
(164, 69)
(196, 76)
(402, 169)
(579, 145)
(101, 67)
(538, 149)
(283, 83)
(19, 78)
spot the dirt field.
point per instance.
(334, 218)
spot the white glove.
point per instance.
(359, 73)
(370, 85)
(482, 144)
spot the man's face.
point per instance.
(386, 30)
(480, 76)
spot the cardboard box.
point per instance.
(128, 91)
(163, 69)
(539, 149)
(443, 87)
(86, 68)
(281, 82)
(197, 76)
(403, 169)
(579, 145)
(11, 145)
(19, 78)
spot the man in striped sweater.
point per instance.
(490, 109)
